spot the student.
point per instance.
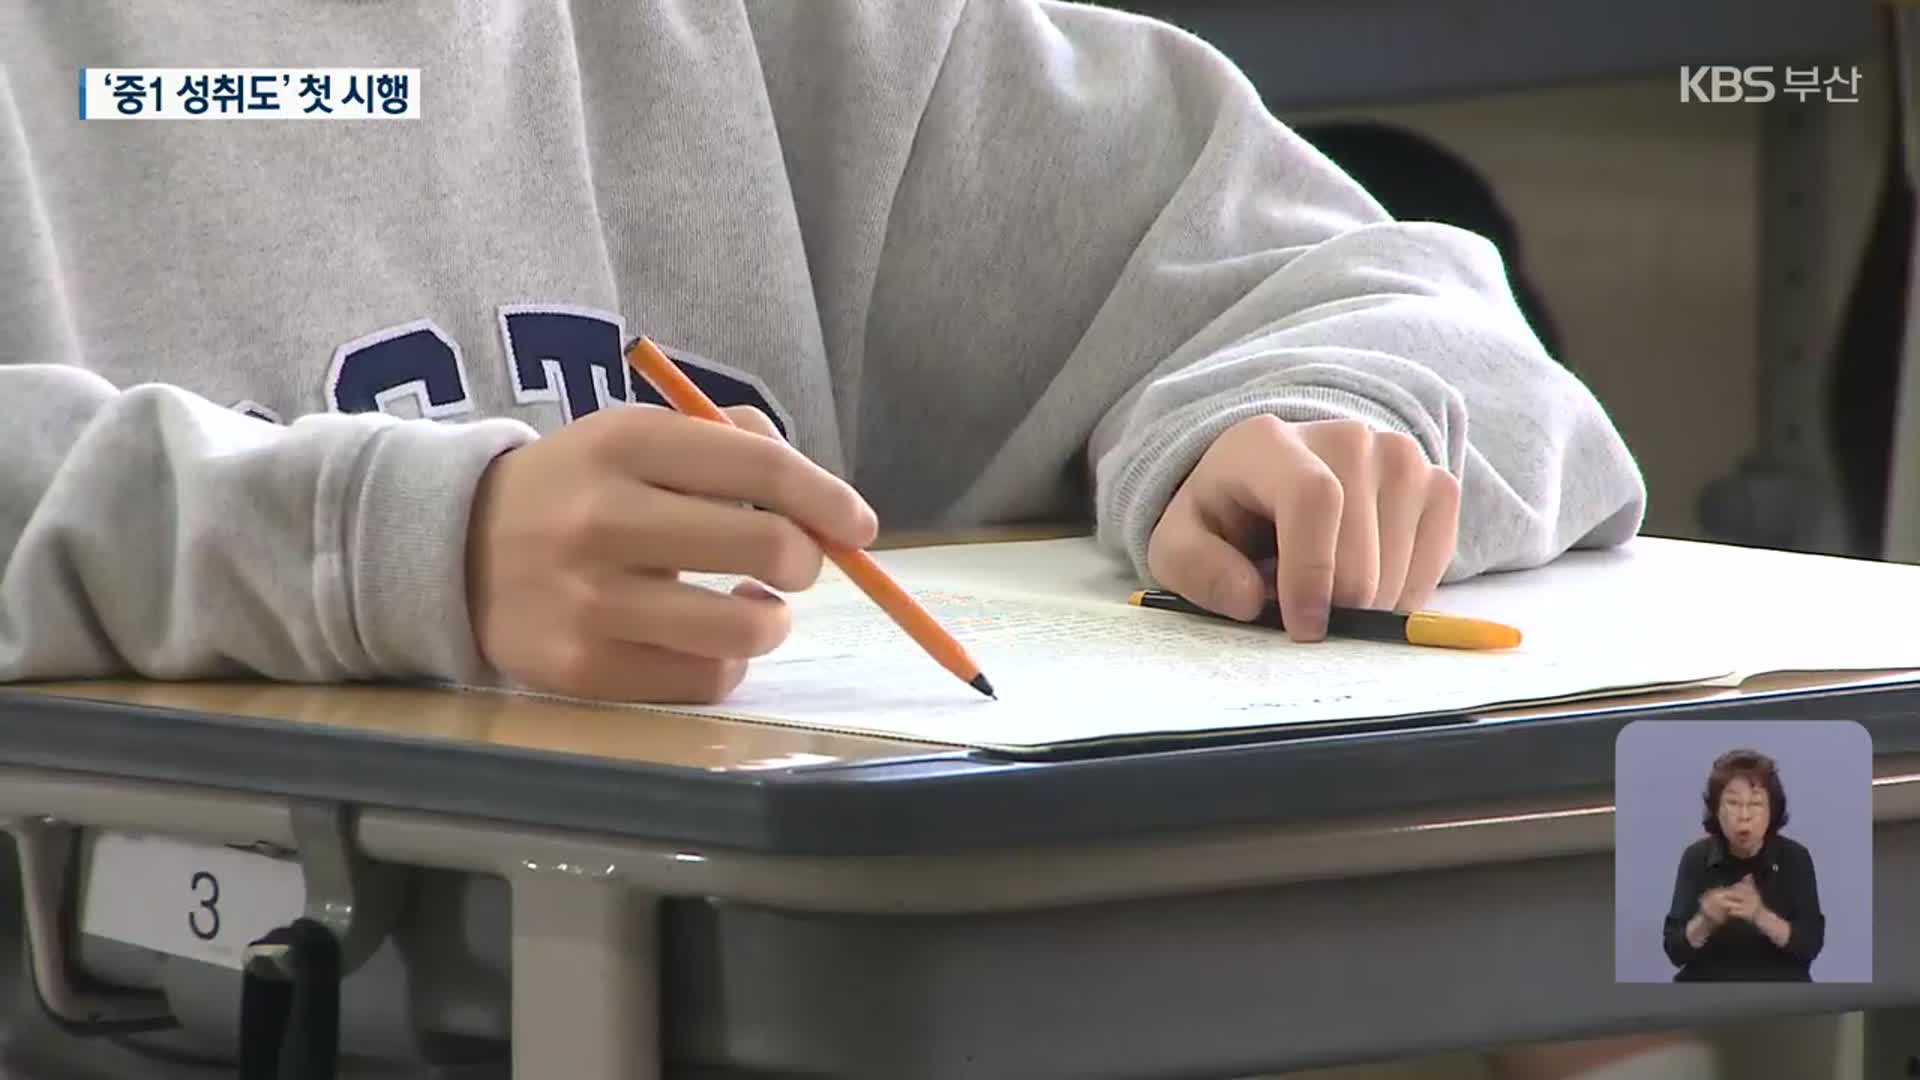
(972, 259)
(336, 401)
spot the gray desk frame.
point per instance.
(1081, 936)
(626, 936)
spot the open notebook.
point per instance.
(1076, 665)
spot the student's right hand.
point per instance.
(576, 541)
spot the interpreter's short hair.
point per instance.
(1755, 768)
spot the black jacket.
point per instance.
(1738, 951)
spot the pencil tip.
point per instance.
(980, 683)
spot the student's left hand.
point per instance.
(1352, 516)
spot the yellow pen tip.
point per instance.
(1459, 632)
(1137, 597)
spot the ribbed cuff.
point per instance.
(1131, 502)
(406, 541)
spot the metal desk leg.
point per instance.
(1903, 496)
(585, 980)
(1779, 495)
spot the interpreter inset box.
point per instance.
(1743, 852)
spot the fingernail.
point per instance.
(1311, 620)
(753, 590)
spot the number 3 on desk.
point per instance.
(204, 902)
(209, 906)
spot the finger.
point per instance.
(748, 418)
(1347, 449)
(1400, 471)
(645, 528)
(1434, 541)
(700, 457)
(1307, 523)
(685, 618)
(1189, 558)
(1273, 474)
(611, 670)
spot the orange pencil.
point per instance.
(860, 567)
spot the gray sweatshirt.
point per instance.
(992, 260)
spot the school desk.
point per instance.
(1349, 55)
(774, 902)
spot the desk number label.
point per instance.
(207, 905)
(204, 902)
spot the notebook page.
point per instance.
(1765, 611)
(1749, 609)
(1074, 663)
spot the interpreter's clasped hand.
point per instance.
(1743, 900)
(1715, 906)
(1352, 517)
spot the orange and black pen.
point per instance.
(860, 567)
(1409, 627)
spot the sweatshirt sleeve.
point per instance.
(150, 531)
(145, 530)
(1132, 221)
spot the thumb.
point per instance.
(1191, 560)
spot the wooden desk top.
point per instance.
(640, 735)
(736, 785)
(508, 721)
(653, 736)
(539, 724)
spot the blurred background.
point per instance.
(1729, 277)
